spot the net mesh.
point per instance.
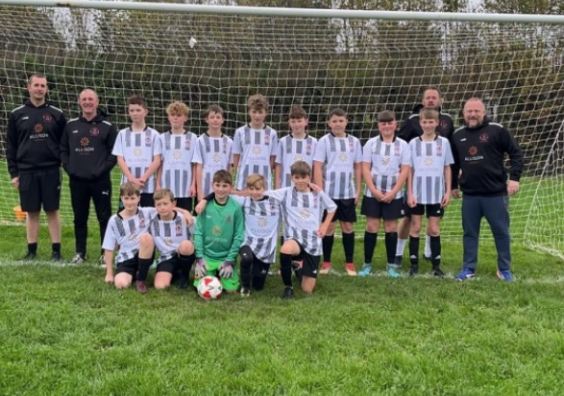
(363, 66)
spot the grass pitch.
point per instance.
(64, 331)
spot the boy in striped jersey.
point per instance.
(254, 144)
(341, 155)
(178, 147)
(295, 146)
(213, 152)
(302, 210)
(138, 151)
(128, 230)
(428, 187)
(170, 233)
(218, 235)
(385, 167)
(262, 214)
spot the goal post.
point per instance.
(362, 61)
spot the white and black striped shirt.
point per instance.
(168, 234)
(302, 213)
(385, 160)
(138, 150)
(125, 233)
(428, 161)
(291, 150)
(261, 226)
(178, 155)
(255, 146)
(214, 153)
(339, 154)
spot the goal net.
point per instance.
(362, 65)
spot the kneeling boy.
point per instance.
(218, 235)
(302, 209)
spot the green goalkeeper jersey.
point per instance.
(219, 231)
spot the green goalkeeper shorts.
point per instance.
(212, 267)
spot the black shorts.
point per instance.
(40, 187)
(346, 210)
(128, 266)
(169, 265)
(310, 263)
(184, 203)
(371, 207)
(431, 210)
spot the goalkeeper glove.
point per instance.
(200, 270)
(226, 270)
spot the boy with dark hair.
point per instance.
(385, 167)
(171, 234)
(178, 147)
(298, 145)
(254, 144)
(127, 231)
(337, 170)
(218, 235)
(302, 209)
(138, 151)
(213, 152)
(428, 187)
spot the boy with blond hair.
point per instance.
(254, 144)
(178, 147)
(138, 151)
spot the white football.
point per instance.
(210, 288)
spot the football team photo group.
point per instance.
(215, 212)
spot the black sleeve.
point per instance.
(64, 147)
(61, 123)
(12, 147)
(406, 131)
(515, 155)
(111, 160)
(455, 167)
(210, 197)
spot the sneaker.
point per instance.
(288, 293)
(393, 271)
(141, 287)
(505, 275)
(29, 256)
(56, 257)
(78, 259)
(465, 274)
(325, 268)
(365, 270)
(245, 292)
(350, 269)
(414, 269)
(438, 272)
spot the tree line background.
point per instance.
(363, 66)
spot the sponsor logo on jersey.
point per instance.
(38, 128)
(473, 150)
(84, 142)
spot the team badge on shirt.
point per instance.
(94, 131)
(47, 118)
(484, 138)
(216, 230)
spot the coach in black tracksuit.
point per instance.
(32, 152)
(479, 149)
(86, 153)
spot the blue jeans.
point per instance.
(494, 209)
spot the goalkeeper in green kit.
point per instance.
(218, 235)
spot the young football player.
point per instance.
(127, 231)
(302, 209)
(138, 151)
(178, 147)
(337, 170)
(254, 144)
(298, 145)
(213, 153)
(218, 235)
(385, 167)
(428, 187)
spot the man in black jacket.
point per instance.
(409, 130)
(86, 153)
(479, 149)
(32, 153)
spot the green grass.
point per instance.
(63, 331)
